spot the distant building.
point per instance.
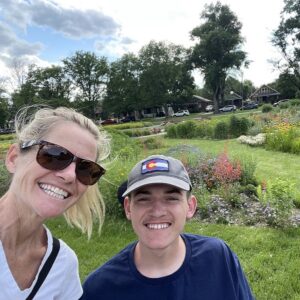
(265, 94)
(198, 103)
(234, 99)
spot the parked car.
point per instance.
(227, 108)
(127, 119)
(280, 101)
(181, 113)
(109, 122)
(209, 108)
(249, 105)
(7, 130)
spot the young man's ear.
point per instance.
(192, 206)
(11, 158)
(127, 207)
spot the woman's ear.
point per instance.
(127, 207)
(192, 205)
(11, 158)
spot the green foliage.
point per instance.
(295, 148)
(221, 130)
(266, 108)
(152, 143)
(130, 125)
(277, 194)
(172, 131)
(230, 193)
(238, 126)
(164, 75)
(4, 178)
(248, 166)
(89, 75)
(7, 137)
(137, 132)
(204, 129)
(282, 140)
(287, 39)
(186, 129)
(219, 46)
(123, 86)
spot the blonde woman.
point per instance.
(55, 169)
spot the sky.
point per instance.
(46, 31)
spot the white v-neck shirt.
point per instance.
(61, 283)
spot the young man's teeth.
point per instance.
(158, 226)
(53, 191)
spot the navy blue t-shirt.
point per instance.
(210, 271)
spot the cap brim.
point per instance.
(158, 179)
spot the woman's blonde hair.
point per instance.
(33, 123)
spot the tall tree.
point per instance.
(122, 95)
(219, 47)
(4, 109)
(89, 75)
(287, 39)
(164, 77)
(286, 85)
(44, 86)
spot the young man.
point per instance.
(165, 264)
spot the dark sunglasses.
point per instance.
(54, 157)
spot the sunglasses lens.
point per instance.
(53, 157)
(88, 172)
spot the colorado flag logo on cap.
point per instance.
(153, 165)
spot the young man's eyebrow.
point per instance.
(174, 190)
(141, 192)
(171, 190)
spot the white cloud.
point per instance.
(118, 26)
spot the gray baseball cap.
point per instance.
(158, 169)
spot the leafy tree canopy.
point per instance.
(287, 39)
(219, 47)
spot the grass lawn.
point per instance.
(270, 257)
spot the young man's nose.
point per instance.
(158, 207)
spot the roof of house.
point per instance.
(233, 96)
(264, 90)
(202, 99)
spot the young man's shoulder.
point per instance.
(203, 241)
(118, 263)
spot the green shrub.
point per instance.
(295, 102)
(278, 195)
(172, 131)
(248, 189)
(130, 125)
(266, 108)
(238, 126)
(186, 129)
(281, 140)
(248, 166)
(221, 130)
(204, 130)
(296, 146)
(152, 143)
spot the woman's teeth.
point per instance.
(53, 191)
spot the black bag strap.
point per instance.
(46, 268)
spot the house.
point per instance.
(233, 99)
(265, 94)
(195, 104)
(157, 111)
